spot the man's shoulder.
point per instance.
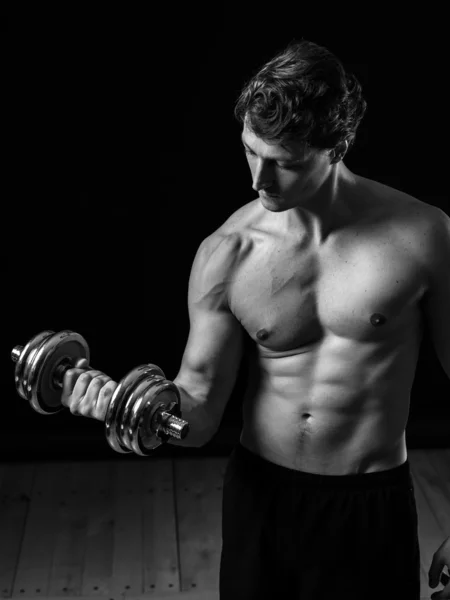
(420, 218)
(222, 251)
(419, 228)
(405, 211)
(224, 245)
(233, 232)
(237, 223)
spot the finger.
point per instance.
(103, 399)
(437, 564)
(70, 379)
(75, 385)
(72, 376)
(88, 404)
(82, 363)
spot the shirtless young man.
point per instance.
(331, 277)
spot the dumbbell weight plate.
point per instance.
(124, 431)
(130, 422)
(64, 346)
(116, 405)
(160, 395)
(23, 363)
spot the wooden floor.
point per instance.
(146, 527)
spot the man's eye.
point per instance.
(283, 167)
(289, 167)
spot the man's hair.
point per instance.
(303, 95)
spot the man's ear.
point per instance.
(338, 153)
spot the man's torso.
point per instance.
(336, 330)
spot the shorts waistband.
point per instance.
(397, 476)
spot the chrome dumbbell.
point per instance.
(144, 411)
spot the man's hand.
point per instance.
(87, 393)
(441, 559)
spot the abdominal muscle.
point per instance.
(333, 408)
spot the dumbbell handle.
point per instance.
(170, 424)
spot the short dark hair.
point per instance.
(305, 95)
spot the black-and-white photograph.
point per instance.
(227, 246)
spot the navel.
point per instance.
(377, 319)
(262, 334)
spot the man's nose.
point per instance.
(262, 177)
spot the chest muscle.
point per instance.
(287, 298)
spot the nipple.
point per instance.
(377, 319)
(262, 334)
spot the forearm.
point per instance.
(201, 428)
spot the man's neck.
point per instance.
(326, 211)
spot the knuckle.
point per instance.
(104, 399)
(105, 395)
(111, 385)
(83, 378)
(96, 374)
(109, 389)
(96, 382)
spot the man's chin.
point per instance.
(272, 203)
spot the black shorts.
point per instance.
(296, 535)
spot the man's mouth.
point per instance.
(267, 195)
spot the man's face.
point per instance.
(293, 172)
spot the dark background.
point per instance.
(122, 155)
